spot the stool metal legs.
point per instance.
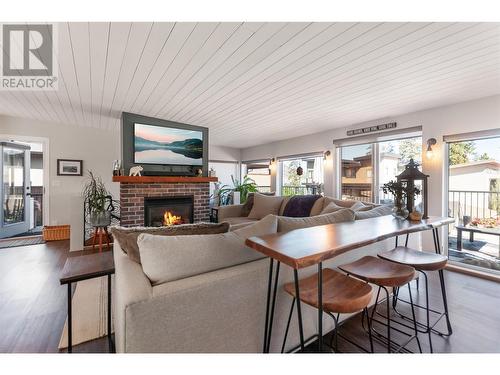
(387, 323)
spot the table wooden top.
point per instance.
(304, 247)
(85, 267)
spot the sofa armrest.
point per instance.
(131, 286)
(234, 210)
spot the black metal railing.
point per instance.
(298, 190)
(357, 198)
(476, 204)
(264, 189)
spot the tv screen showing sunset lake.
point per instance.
(161, 145)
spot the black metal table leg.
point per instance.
(299, 313)
(273, 304)
(268, 302)
(320, 307)
(110, 341)
(70, 333)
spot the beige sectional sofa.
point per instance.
(209, 298)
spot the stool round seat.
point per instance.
(380, 272)
(420, 260)
(341, 293)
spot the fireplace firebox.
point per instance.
(164, 211)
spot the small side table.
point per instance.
(99, 232)
(214, 214)
(86, 267)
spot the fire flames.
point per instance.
(170, 219)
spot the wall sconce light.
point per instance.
(326, 154)
(430, 142)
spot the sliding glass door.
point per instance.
(14, 187)
(474, 202)
(357, 172)
(366, 167)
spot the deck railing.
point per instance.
(298, 190)
(476, 204)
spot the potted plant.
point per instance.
(96, 197)
(246, 186)
(400, 192)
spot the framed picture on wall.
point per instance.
(67, 167)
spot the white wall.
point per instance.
(97, 148)
(458, 118)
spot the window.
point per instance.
(363, 173)
(474, 200)
(357, 172)
(310, 181)
(393, 156)
(223, 170)
(260, 172)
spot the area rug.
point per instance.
(15, 242)
(90, 309)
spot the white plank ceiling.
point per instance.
(253, 83)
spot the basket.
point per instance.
(56, 232)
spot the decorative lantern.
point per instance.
(409, 176)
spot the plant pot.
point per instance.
(100, 219)
(400, 211)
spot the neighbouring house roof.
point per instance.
(351, 163)
(479, 163)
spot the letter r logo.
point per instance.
(27, 50)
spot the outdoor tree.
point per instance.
(292, 179)
(410, 149)
(461, 152)
(484, 156)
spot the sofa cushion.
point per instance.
(127, 237)
(239, 220)
(317, 207)
(286, 224)
(171, 258)
(358, 206)
(346, 203)
(264, 205)
(267, 225)
(331, 207)
(374, 212)
(247, 206)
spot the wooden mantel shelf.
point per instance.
(163, 179)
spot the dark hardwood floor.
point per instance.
(33, 307)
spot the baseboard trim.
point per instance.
(471, 272)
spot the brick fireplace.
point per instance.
(134, 191)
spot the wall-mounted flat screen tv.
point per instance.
(165, 145)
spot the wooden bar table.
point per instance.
(306, 247)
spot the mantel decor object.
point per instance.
(409, 176)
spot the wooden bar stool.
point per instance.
(422, 261)
(385, 275)
(341, 294)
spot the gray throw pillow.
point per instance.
(374, 212)
(247, 206)
(127, 237)
(264, 205)
(286, 224)
(331, 207)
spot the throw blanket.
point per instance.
(300, 205)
